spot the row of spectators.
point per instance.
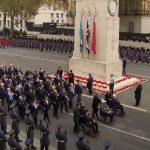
(135, 54)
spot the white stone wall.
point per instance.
(125, 20)
(145, 24)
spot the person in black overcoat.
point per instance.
(90, 84)
(3, 140)
(138, 92)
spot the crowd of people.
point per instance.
(134, 37)
(135, 54)
(26, 95)
(58, 45)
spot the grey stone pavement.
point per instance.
(131, 132)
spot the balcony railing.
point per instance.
(134, 12)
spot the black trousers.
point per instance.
(137, 101)
(44, 147)
(111, 88)
(95, 112)
(46, 116)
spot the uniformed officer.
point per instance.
(15, 120)
(44, 137)
(3, 140)
(3, 114)
(28, 143)
(13, 144)
(112, 84)
(80, 144)
(61, 138)
(90, 84)
(107, 144)
(30, 126)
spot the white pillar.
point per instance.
(106, 60)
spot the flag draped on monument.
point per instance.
(81, 36)
(87, 36)
(94, 37)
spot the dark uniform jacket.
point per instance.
(30, 126)
(81, 145)
(13, 144)
(3, 140)
(3, 114)
(15, 121)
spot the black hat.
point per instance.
(27, 112)
(28, 142)
(107, 143)
(11, 132)
(59, 126)
(12, 106)
(80, 135)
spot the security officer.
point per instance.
(44, 138)
(3, 120)
(3, 140)
(112, 84)
(15, 120)
(80, 144)
(28, 143)
(61, 138)
(12, 142)
(30, 126)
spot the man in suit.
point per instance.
(90, 84)
(138, 92)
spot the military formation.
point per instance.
(58, 45)
(135, 54)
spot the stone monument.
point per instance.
(106, 61)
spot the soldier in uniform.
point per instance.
(3, 114)
(28, 143)
(44, 138)
(61, 138)
(15, 120)
(3, 140)
(80, 144)
(30, 126)
(14, 145)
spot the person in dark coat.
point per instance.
(95, 105)
(15, 120)
(3, 140)
(13, 144)
(76, 119)
(81, 144)
(61, 138)
(30, 126)
(138, 92)
(45, 139)
(71, 77)
(3, 120)
(78, 91)
(45, 106)
(28, 143)
(60, 72)
(34, 111)
(107, 144)
(124, 64)
(90, 84)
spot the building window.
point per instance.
(62, 21)
(0, 23)
(16, 24)
(131, 27)
(8, 23)
(52, 21)
(57, 15)
(21, 23)
(0, 15)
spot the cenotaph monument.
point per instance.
(106, 61)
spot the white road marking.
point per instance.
(121, 131)
(35, 58)
(127, 106)
(147, 77)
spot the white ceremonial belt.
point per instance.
(61, 141)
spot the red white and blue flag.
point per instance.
(88, 36)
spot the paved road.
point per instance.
(128, 133)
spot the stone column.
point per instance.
(106, 60)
